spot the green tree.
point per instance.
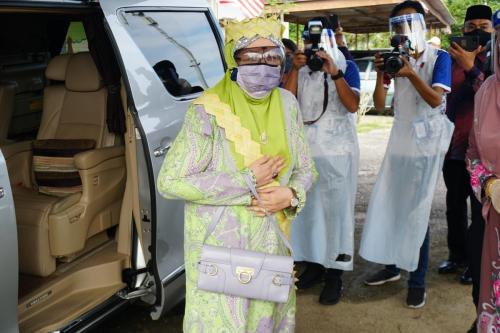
(458, 9)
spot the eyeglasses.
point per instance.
(257, 55)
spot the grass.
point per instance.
(371, 123)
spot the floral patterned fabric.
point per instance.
(200, 169)
(489, 297)
(478, 177)
(484, 163)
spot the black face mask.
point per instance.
(484, 36)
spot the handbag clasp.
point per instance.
(244, 274)
(212, 270)
(277, 280)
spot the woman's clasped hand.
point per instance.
(271, 199)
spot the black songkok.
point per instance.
(478, 12)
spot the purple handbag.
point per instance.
(245, 273)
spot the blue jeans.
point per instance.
(417, 277)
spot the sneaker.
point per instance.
(415, 298)
(382, 277)
(311, 276)
(332, 291)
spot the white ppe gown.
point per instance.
(325, 227)
(400, 204)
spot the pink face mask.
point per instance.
(258, 80)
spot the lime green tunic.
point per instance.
(201, 169)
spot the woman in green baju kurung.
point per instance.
(243, 133)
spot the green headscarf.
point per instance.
(257, 115)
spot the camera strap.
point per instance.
(325, 102)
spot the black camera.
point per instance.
(314, 62)
(392, 60)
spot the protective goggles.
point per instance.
(269, 55)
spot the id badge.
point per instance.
(420, 129)
(435, 126)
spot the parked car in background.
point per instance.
(368, 77)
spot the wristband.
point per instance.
(339, 75)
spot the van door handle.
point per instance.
(160, 151)
(2, 192)
(164, 147)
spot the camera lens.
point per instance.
(393, 65)
(315, 63)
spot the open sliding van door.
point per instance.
(8, 254)
(169, 53)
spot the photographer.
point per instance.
(468, 72)
(327, 88)
(396, 227)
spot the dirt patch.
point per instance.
(363, 309)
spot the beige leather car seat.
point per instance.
(52, 227)
(53, 95)
(7, 92)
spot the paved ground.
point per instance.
(363, 309)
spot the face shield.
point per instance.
(329, 44)
(413, 27)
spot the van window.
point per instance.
(28, 41)
(76, 39)
(373, 72)
(362, 65)
(181, 48)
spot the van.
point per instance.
(92, 95)
(368, 77)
